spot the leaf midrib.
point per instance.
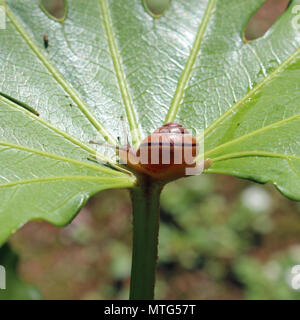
(62, 178)
(61, 158)
(56, 75)
(252, 92)
(186, 74)
(251, 134)
(255, 154)
(130, 113)
(56, 130)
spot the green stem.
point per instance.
(145, 203)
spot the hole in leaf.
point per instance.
(156, 8)
(56, 9)
(264, 18)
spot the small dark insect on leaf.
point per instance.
(46, 41)
(71, 105)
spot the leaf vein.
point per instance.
(252, 92)
(255, 154)
(130, 112)
(66, 178)
(66, 86)
(60, 158)
(185, 76)
(253, 133)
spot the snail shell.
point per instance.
(165, 154)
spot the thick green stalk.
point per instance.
(145, 203)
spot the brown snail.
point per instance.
(167, 154)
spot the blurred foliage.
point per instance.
(220, 238)
(15, 287)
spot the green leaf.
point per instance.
(107, 59)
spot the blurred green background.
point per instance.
(220, 238)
